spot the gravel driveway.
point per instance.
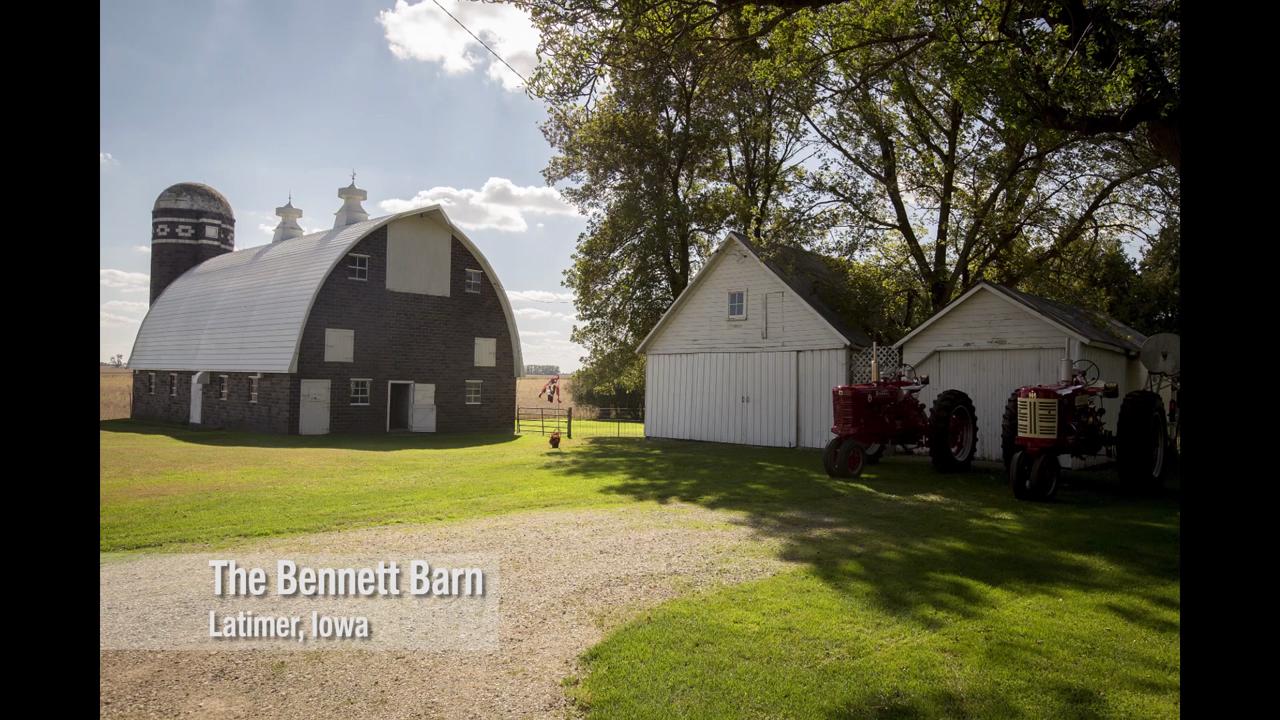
(568, 577)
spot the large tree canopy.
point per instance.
(928, 144)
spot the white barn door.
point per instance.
(313, 412)
(743, 398)
(197, 400)
(423, 418)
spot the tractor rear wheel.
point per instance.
(1034, 478)
(851, 458)
(1142, 441)
(1009, 430)
(953, 431)
(829, 458)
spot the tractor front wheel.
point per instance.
(1034, 478)
(1142, 441)
(1009, 430)
(829, 458)
(851, 458)
(953, 431)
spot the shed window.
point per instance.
(360, 390)
(173, 384)
(737, 304)
(222, 387)
(253, 389)
(472, 284)
(151, 383)
(473, 392)
(358, 267)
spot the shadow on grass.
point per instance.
(365, 442)
(921, 545)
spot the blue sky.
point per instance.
(260, 99)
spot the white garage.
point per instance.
(993, 339)
(749, 352)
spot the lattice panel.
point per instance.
(860, 364)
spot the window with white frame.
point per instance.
(211, 231)
(360, 390)
(472, 284)
(222, 387)
(253, 389)
(151, 383)
(737, 304)
(357, 267)
(473, 392)
(173, 384)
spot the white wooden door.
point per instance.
(313, 415)
(423, 418)
(197, 399)
(767, 411)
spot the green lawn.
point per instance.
(920, 595)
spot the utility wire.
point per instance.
(484, 44)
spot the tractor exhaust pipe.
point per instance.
(875, 364)
(1064, 370)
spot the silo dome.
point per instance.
(193, 196)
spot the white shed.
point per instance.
(749, 352)
(993, 339)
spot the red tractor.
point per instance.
(870, 417)
(1042, 422)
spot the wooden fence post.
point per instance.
(570, 423)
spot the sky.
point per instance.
(264, 99)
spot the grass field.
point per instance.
(115, 393)
(917, 594)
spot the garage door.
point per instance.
(743, 398)
(988, 376)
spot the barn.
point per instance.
(993, 339)
(376, 325)
(749, 352)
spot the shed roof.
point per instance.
(245, 311)
(1089, 326)
(805, 273)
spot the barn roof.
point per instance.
(1089, 326)
(245, 311)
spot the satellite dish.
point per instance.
(1161, 354)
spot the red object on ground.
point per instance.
(555, 439)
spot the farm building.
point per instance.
(993, 339)
(749, 352)
(377, 325)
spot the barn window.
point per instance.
(358, 265)
(472, 284)
(253, 389)
(339, 345)
(173, 384)
(151, 383)
(211, 231)
(360, 390)
(222, 387)
(473, 392)
(737, 304)
(486, 354)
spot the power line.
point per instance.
(483, 43)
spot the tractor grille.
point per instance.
(1038, 417)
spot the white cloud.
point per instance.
(124, 281)
(117, 313)
(539, 296)
(106, 319)
(106, 158)
(423, 32)
(538, 333)
(142, 249)
(498, 205)
(537, 314)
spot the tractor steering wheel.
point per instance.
(908, 372)
(1089, 367)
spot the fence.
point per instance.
(580, 422)
(887, 358)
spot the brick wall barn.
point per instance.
(394, 323)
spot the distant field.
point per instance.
(528, 387)
(115, 393)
